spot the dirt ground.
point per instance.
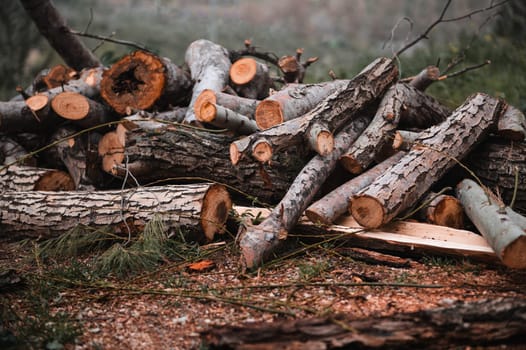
(169, 307)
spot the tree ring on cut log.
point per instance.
(70, 105)
(215, 209)
(262, 151)
(234, 154)
(268, 113)
(367, 211)
(111, 148)
(243, 70)
(136, 81)
(351, 164)
(288, 64)
(207, 112)
(37, 102)
(514, 255)
(55, 180)
(206, 95)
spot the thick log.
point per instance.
(31, 115)
(25, 178)
(12, 152)
(209, 65)
(487, 322)
(80, 109)
(436, 151)
(443, 210)
(53, 27)
(506, 237)
(200, 208)
(241, 105)
(142, 80)
(419, 110)
(512, 125)
(293, 101)
(224, 118)
(250, 78)
(153, 151)
(501, 165)
(335, 111)
(328, 208)
(258, 242)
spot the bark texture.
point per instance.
(241, 105)
(506, 237)
(225, 118)
(193, 207)
(436, 151)
(257, 242)
(512, 124)
(25, 178)
(53, 27)
(488, 322)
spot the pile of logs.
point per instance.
(219, 126)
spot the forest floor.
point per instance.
(50, 304)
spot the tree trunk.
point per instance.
(501, 165)
(224, 118)
(209, 65)
(250, 78)
(327, 209)
(141, 80)
(506, 237)
(199, 207)
(183, 152)
(257, 242)
(443, 210)
(53, 27)
(241, 105)
(293, 101)
(81, 110)
(335, 111)
(489, 322)
(24, 178)
(436, 151)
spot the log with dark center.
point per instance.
(141, 80)
(258, 242)
(496, 322)
(436, 151)
(199, 208)
(335, 111)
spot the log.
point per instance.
(57, 76)
(443, 210)
(53, 27)
(293, 101)
(78, 108)
(241, 105)
(335, 111)
(12, 152)
(26, 178)
(153, 151)
(512, 125)
(426, 77)
(142, 80)
(437, 150)
(292, 67)
(225, 118)
(258, 242)
(501, 165)
(31, 115)
(209, 65)
(490, 322)
(250, 78)
(336, 203)
(199, 208)
(420, 111)
(506, 237)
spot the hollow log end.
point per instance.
(37, 102)
(136, 81)
(55, 180)
(367, 211)
(70, 105)
(268, 113)
(206, 95)
(243, 70)
(351, 164)
(514, 255)
(207, 112)
(262, 151)
(111, 149)
(214, 213)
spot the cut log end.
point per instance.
(37, 102)
(268, 113)
(111, 149)
(317, 218)
(56, 180)
(351, 165)
(58, 75)
(70, 105)
(243, 70)
(289, 64)
(215, 210)
(324, 143)
(514, 255)
(262, 151)
(206, 95)
(448, 212)
(136, 81)
(235, 155)
(367, 211)
(207, 112)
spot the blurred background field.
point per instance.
(344, 34)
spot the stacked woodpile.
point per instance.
(222, 121)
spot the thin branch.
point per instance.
(462, 71)
(109, 39)
(474, 12)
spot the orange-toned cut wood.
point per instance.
(206, 95)
(207, 112)
(243, 70)
(71, 105)
(268, 114)
(56, 180)
(262, 151)
(58, 75)
(37, 102)
(111, 149)
(215, 210)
